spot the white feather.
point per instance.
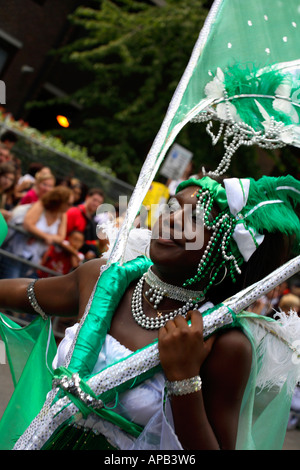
(138, 241)
(278, 348)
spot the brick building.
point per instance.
(29, 29)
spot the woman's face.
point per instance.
(44, 186)
(179, 237)
(6, 181)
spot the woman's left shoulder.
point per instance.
(231, 357)
(233, 341)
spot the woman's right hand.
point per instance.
(182, 347)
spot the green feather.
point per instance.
(278, 216)
(249, 80)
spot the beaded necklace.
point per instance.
(160, 320)
(159, 289)
(222, 227)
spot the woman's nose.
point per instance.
(176, 223)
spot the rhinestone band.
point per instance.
(159, 289)
(184, 387)
(72, 385)
(33, 302)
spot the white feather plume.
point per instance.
(278, 349)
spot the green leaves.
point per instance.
(135, 54)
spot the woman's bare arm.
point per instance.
(31, 218)
(60, 295)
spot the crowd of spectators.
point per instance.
(52, 226)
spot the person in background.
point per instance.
(78, 192)
(9, 139)
(44, 182)
(81, 218)
(7, 182)
(45, 223)
(65, 256)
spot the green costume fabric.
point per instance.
(30, 351)
(97, 323)
(3, 229)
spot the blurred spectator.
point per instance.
(64, 257)
(294, 286)
(267, 304)
(26, 182)
(81, 218)
(46, 220)
(290, 302)
(7, 182)
(5, 155)
(44, 182)
(77, 189)
(9, 139)
(294, 418)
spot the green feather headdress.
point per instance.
(254, 106)
(265, 215)
(248, 209)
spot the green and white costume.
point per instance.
(68, 418)
(93, 408)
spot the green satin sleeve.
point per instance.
(3, 229)
(110, 288)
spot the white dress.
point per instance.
(35, 248)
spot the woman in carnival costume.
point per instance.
(159, 359)
(220, 381)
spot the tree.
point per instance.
(135, 54)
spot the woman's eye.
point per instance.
(196, 216)
(173, 205)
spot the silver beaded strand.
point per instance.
(153, 323)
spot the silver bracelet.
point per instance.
(183, 387)
(33, 302)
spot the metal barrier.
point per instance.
(58, 324)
